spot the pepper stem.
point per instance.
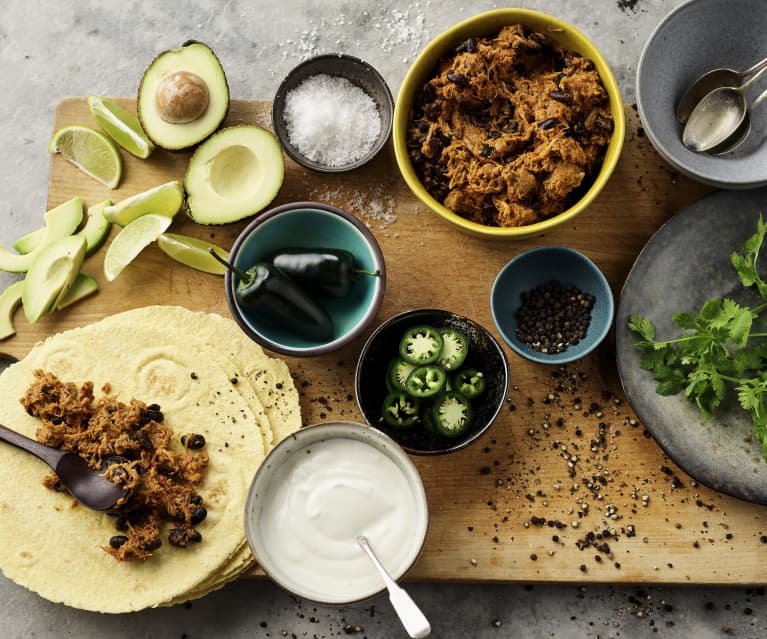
(360, 271)
(245, 277)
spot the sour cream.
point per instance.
(319, 499)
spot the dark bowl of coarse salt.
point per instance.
(333, 113)
(552, 305)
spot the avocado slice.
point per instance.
(9, 302)
(51, 274)
(29, 242)
(233, 174)
(183, 96)
(60, 221)
(95, 231)
(96, 227)
(83, 286)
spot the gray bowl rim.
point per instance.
(337, 343)
(278, 105)
(463, 443)
(350, 428)
(657, 143)
(559, 358)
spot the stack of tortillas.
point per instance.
(208, 378)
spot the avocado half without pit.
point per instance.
(235, 173)
(183, 96)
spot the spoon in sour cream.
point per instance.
(415, 622)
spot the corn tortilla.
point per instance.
(53, 547)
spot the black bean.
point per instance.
(195, 500)
(178, 537)
(436, 145)
(561, 96)
(193, 441)
(164, 468)
(429, 93)
(117, 541)
(144, 440)
(193, 535)
(151, 544)
(605, 123)
(467, 46)
(198, 515)
(548, 123)
(487, 151)
(492, 135)
(458, 79)
(153, 413)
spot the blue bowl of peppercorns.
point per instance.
(552, 305)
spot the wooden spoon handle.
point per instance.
(49, 455)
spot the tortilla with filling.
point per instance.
(164, 355)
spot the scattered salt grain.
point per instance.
(331, 121)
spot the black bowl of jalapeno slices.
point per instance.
(432, 380)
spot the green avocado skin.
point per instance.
(188, 57)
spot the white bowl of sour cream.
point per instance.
(316, 492)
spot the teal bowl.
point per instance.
(536, 267)
(309, 225)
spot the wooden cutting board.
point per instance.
(567, 486)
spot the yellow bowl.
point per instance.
(488, 24)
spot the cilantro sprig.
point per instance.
(717, 349)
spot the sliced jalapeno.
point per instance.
(400, 410)
(425, 381)
(455, 348)
(469, 382)
(421, 345)
(399, 371)
(452, 414)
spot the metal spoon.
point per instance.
(710, 81)
(717, 116)
(86, 485)
(742, 132)
(408, 612)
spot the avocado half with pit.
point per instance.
(235, 173)
(183, 96)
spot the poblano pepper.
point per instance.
(328, 271)
(279, 300)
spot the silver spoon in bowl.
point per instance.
(86, 485)
(416, 624)
(718, 116)
(708, 82)
(741, 133)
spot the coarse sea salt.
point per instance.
(331, 121)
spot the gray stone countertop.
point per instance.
(49, 50)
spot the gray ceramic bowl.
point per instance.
(359, 73)
(485, 354)
(337, 546)
(538, 266)
(309, 225)
(694, 38)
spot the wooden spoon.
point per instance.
(86, 485)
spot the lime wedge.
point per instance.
(165, 200)
(121, 125)
(131, 240)
(193, 252)
(91, 152)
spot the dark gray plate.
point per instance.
(684, 264)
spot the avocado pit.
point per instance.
(181, 97)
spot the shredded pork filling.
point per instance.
(509, 128)
(129, 441)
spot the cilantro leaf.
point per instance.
(643, 326)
